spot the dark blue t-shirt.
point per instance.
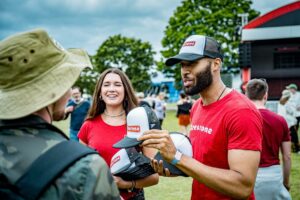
(79, 113)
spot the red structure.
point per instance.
(270, 48)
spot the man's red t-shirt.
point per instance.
(233, 122)
(275, 131)
(101, 136)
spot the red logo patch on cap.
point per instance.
(189, 44)
(133, 129)
(115, 160)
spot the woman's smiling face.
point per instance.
(112, 90)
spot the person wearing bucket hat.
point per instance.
(272, 180)
(226, 128)
(105, 125)
(36, 75)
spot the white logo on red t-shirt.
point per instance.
(201, 128)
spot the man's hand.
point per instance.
(160, 140)
(69, 109)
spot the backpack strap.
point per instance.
(49, 166)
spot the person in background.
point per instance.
(160, 107)
(106, 124)
(226, 128)
(287, 109)
(78, 108)
(26, 129)
(141, 101)
(151, 100)
(295, 99)
(272, 182)
(184, 106)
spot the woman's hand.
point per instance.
(122, 184)
(159, 168)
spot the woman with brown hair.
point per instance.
(106, 124)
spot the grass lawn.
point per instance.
(180, 187)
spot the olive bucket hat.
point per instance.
(35, 71)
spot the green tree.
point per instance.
(215, 18)
(131, 55)
(87, 81)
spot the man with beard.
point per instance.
(226, 128)
(36, 75)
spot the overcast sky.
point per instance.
(87, 23)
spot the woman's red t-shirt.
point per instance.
(101, 136)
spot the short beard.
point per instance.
(77, 100)
(58, 115)
(203, 81)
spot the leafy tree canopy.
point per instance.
(131, 55)
(88, 79)
(215, 18)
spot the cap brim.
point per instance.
(127, 142)
(173, 169)
(183, 57)
(291, 87)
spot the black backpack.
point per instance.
(39, 175)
